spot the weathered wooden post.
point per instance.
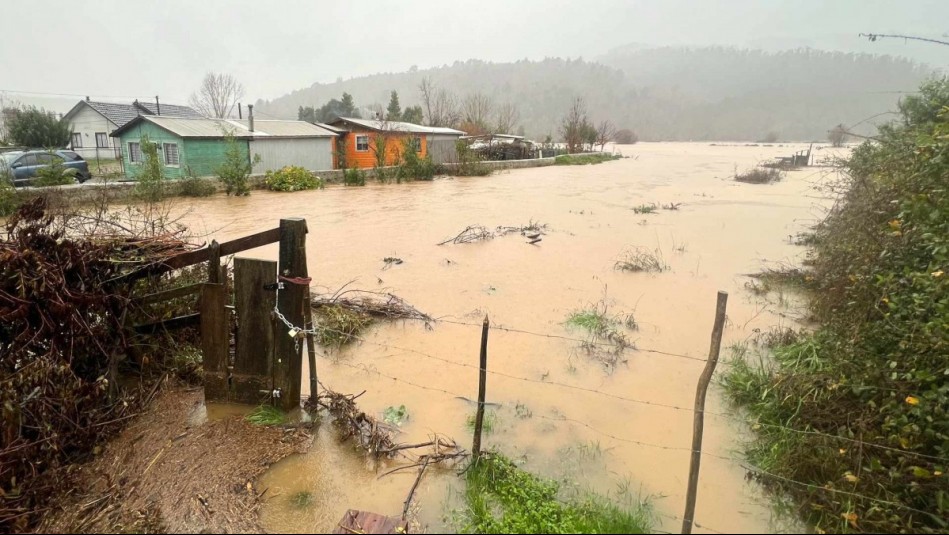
(310, 343)
(698, 423)
(215, 342)
(252, 378)
(288, 357)
(214, 262)
(482, 384)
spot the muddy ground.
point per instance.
(172, 470)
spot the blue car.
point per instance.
(23, 165)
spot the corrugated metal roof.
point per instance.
(397, 126)
(215, 128)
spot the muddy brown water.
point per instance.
(722, 231)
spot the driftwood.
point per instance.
(474, 233)
(370, 434)
(375, 304)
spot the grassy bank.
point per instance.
(502, 498)
(853, 419)
(584, 159)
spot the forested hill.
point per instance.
(660, 93)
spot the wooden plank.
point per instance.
(365, 522)
(203, 255)
(288, 355)
(188, 320)
(214, 263)
(167, 295)
(253, 357)
(215, 341)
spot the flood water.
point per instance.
(721, 232)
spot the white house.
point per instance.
(93, 122)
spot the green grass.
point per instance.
(591, 320)
(488, 425)
(267, 415)
(646, 209)
(584, 159)
(642, 261)
(502, 498)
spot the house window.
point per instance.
(102, 140)
(171, 154)
(362, 143)
(135, 152)
(416, 144)
(76, 140)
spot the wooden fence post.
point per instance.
(252, 379)
(215, 342)
(698, 423)
(482, 384)
(288, 357)
(310, 343)
(214, 262)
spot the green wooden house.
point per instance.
(197, 146)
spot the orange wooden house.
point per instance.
(362, 140)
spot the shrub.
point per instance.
(875, 371)
(236, 167)
(469, 163)
(642, 260)
(8, 196)
(33, 127)
(292, 178)
(151, 181)
(55, 174)
(354, 177)
(415, 168)
(626, 137)
(192, 186)
(760, 175)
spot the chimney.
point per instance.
(250, 116)
(87, 98)
(157, 106)
(239, 114)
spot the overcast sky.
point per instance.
(125, 49)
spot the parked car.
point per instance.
(24, 165)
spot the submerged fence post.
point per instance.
(215, 342)
(698, 424)
(310, 343)
(288, 357)
(482, 384)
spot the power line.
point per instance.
(18, 92)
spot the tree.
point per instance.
(476, 110)
(838, 135)
(605, 132)
(33, 127)
(330, 111)
(506, 118)
(575, 127)
(394, 111)
(348, 106)
(217, 95)
(440, 105)
(413, 114)
(626, 137)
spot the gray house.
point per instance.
(93, 122)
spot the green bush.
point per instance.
(8, 196)
(876, 371)
(192, 186)
(469, 164)
(584, 159)
(151, 181)
(415, 168)
(235, 169)
(354, 177)
(292, 178)
(55, 174)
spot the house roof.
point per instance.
(395, 126)
(120, 114)
(216, 128)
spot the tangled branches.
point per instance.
(475, 233)
(61, 339)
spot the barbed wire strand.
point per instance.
(730, 417)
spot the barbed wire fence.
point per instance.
(695, 451)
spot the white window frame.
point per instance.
(358, 137)
(164, 154)
(105, 137)
(76, 136)
(132, 159)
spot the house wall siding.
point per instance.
(394, 146)
(443, 148)
(205, 156)
(155, 135)
(310, 153)
(88, 122)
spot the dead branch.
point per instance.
(375, 304)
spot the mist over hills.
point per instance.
(670, 93)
